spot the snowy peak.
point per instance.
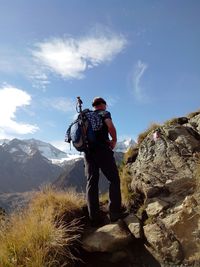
(4, 141)
(124, 145)
(31, 146)
(21, 150)
(46, 149)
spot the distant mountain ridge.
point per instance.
(26, 164)
(21, 172)
(123, 146)
(29, 146)
(74, 175)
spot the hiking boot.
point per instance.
(98, 220)
(118, 215)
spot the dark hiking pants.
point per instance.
(102, 158)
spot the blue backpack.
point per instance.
(81, 132)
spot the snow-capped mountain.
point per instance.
(124, 145)
(26, 164)
(25, 148)
(4, 141)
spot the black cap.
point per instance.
(97, 101)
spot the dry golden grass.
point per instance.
(64, 204)
(193, 114)
(104, 198)
(131, 154)
(127, 193)
(143, 135)
(41, 235)
(171, 122)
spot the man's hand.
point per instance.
(112, 132)
(112, 144)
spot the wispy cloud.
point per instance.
(70, 58)
(136, 78)
(11, 99)
(60, 103)
(39, 79)
(111, 100)
(67, 57)
(20, 63)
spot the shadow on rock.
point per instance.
(133, 255)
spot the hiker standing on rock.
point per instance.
(101, 157)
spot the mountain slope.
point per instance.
(124, 145)
(26, 164)
(23, 167)
(74, 175)
(164, 180)
(29, 146)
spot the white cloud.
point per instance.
(39, 79)
(11, 60)
(112, 101)
(11, 99)
(138, 73)
(62, 104)
(70, 58)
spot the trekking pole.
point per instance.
(79, 104)
(82, 117)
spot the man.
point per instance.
(101, 157)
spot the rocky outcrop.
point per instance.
(165, 179)
(119, 244)
(164, 174)
(162, 162)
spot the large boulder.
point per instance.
(134, 225)
(108, 238)
(168, 159)
(163, 243)
(184, 221)
(164, 174)
(195, 122)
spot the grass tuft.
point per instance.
(170, 122)
(126, 191)
(143, 135)
(131, 155)
(193, 114)
(43, 234)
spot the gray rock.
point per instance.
(109, 238)
(165, 176)
(196, 121)
(171, 157)
(184, 221)
(156, 206)
(134, 225)
(163, 244)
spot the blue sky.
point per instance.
(142, 56)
